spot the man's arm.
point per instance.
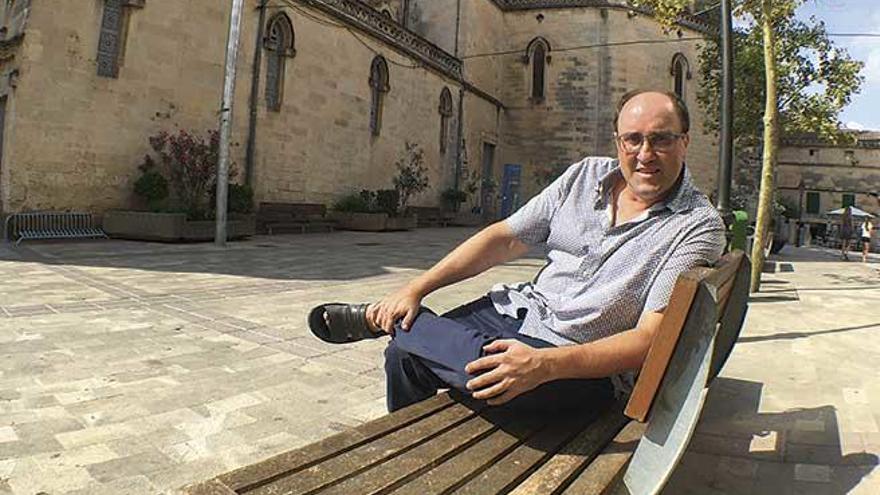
(515, 368)
(491, 246)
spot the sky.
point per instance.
(855, 16)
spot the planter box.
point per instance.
(372, 222)
(172, 227)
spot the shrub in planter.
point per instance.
(188, 163)
(412, 175)
(239, 199)
(388, 201)
(352, 203)
(452, 199)
(152, 186)
(379, 201)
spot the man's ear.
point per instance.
(686, 140)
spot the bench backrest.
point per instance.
(719, 283)
(699, 328)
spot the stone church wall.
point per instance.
(74, 139)
(583, 85)
(78, 138)
(320, 145)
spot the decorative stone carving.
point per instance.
(686, 20)
(8, 47)
(361, 15)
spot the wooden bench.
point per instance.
(430, 216)
(287, 218)
(443, 445)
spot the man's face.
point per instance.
(650, 145)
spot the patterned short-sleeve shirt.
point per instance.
(599, 278)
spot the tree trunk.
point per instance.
(771, 117)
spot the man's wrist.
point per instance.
(417, 289)
(551, 364)
(562, 363)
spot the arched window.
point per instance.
(681, 72)
(445, 113)
(279, 43)
(378, 87)
(537, 54)
(112, 38)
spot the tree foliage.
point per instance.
(787, 74)
(815, 81)
(815, 78)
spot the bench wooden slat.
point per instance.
(410, 465)
(512, 469)
(249, 477)
(576, 455)
(467, 463)
(211, 487)
(352, 462)
(608, 465)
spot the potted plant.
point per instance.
(467, 217)
(176, 193)
(452, 199)
(385, 209)
(372, 211)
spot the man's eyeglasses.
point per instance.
(632, 142)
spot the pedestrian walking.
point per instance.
(867, 227)
(846, 228)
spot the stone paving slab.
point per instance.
(131, 367)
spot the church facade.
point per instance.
(328, 93)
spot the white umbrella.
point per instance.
(856, 212)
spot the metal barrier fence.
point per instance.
(50, 225)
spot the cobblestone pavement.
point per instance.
(136, 368)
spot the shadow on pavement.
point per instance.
(334, 256)
(737, 449)
(802, 335)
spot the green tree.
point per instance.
(788, 75)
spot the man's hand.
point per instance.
(512, 369)
(404, 303)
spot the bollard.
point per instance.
(737, 234)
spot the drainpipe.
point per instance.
(456, 184)
(457, 24)
(254, 99)
(457, 181)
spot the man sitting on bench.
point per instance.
(617, 234)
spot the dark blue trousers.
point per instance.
(433, 353)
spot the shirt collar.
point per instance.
(682, 198)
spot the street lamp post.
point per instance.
(725, 166)
(226, 121)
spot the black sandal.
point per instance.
(348, 323)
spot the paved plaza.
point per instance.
(130, 367)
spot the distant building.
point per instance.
(819, 176)
(501, 88)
